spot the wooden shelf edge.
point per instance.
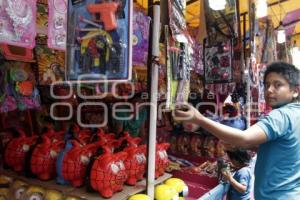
(80, 192)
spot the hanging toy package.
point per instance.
(141, 24)
(7, 101)
(57, 24)
(18, 22)
(99, 40)
(22, 86)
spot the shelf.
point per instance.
(80, 192)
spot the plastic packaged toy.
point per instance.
(99, 40)
(57, 24)
(18, 22)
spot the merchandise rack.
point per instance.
(81, 192)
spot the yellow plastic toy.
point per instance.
(17, 189)
(53, 195)
(4, 194)
(179, 185)
(165, 192)
(5, 182)
(72, 198)
(139, 197)
(34, 192)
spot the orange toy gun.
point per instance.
(107, 12)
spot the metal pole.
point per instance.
(153, 102)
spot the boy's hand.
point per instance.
(227, 175)
(186, 112)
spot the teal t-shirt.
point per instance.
(243, 176)
(132, 125)
(277, 170)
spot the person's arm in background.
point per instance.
(241, 188)
(253, 136)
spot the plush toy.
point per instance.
(108, 173)
(161, 159)
(183, 144)
(44, 157)
(190, 127)
(75, 162)
(5, 183)
(16, 149)
(139, 197)
(59, 162)
(179, 185)
(17, 189)
(220, 149)
(135, 162)
(53, 195)
(33, 192)
(173, 144)
(209, 146)
(72, 198)
(196, 145)
(165, 192)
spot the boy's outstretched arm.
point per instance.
(235, 184)
(251, 137)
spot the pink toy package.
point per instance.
(18, 22)
(57, 24)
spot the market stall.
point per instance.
(88, 91)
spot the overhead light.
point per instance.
(261, 8)
(217, 4)
(281, 34)
(295, 53)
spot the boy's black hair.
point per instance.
(288, 71)
(241, 156)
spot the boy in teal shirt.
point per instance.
(277, 170)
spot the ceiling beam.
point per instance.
(288, 24)
(269, 5)
(191, 1)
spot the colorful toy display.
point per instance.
(141, 24)
(179, 185)
(5, 183)
(139, 197)
(57, 24)
(18, 22)
(99, 40)
(21, 86)
(11, 52)
(51, 65)
(218, 63)
(33, 192)
(75, 162)
(108, 173)
(135, 162)
(161, 159)
(44, 157)
(16, 149)
(53, 195)
(17, 189)
(59, 163)
(165, 192)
